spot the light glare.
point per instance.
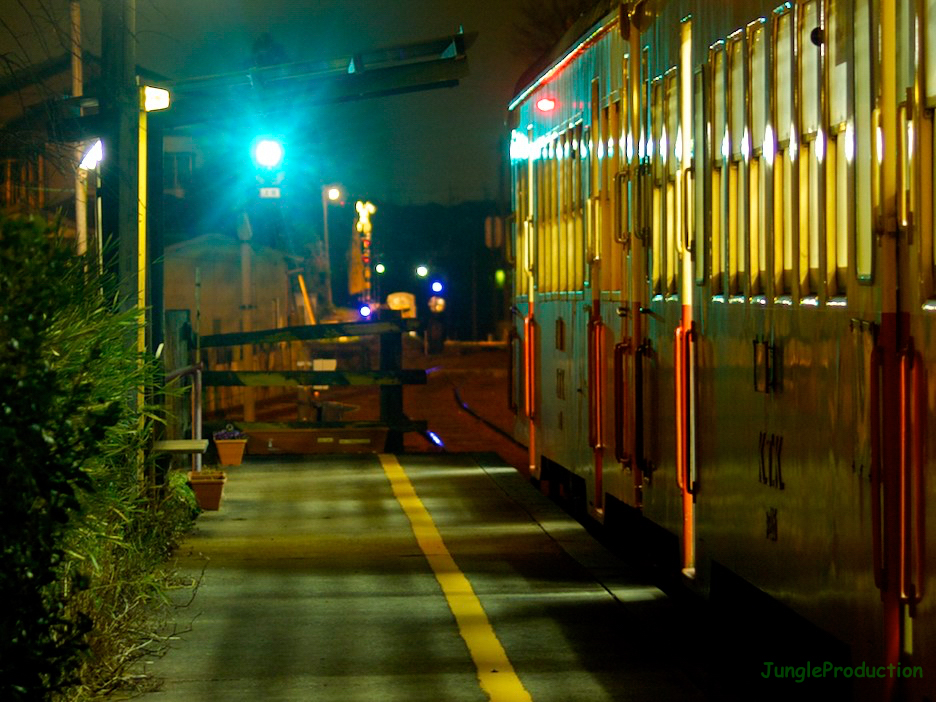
(94, 156)
(422, 271)
(268, 153)
(155, 98)
(545, 104)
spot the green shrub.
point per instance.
(81, 530)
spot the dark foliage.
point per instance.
(78, 533)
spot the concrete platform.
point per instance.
(315, 587)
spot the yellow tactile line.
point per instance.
(495, 672)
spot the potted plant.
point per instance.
(230, 443)
(207, 486)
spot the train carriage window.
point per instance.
(613, 260)
(757, 243)
(593, 241)
(719, 154)
(520, 167)
(863, 142)
(540, 216)
(739, 146)
(928, 246)
(839, 183)
(784, 159)
(580, 141)
(670, 152)
(552, 217)
(699, 180)
(812, 150)
(564, 209)
(657, 176)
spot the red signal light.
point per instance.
(546, 104)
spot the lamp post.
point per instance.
(330, 193)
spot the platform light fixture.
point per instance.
(92, 157)
(155, 99)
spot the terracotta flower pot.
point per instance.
(230, 451)
(207, 486)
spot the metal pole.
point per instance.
(328, 285)
(245, 233)
(120, 103)
(81, 176)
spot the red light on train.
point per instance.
(546, 104)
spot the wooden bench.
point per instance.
(180, 446)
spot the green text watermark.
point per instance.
(799, 673)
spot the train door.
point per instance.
(669, 372)
(685, 360)
(915, 478)
(524, 340)
(629, 352)
(596, 330)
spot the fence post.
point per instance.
(391, 396)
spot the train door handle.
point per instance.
(595, 394)
(529, 362)
(512, 339)
(684, 378)
(875, 367)
(912, 522)
(621, 419)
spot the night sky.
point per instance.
(443, 146)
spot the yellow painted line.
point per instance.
(495, 672)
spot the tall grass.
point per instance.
(82, 534)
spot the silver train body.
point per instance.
(725, 298)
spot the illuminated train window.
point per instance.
(864, 200)
(784, 158)
(718, 156)
(840, 150)
(811, 150)
(656, 174)
(579, 153)
(738, 151)
(757, 179)
(669, 146)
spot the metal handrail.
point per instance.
(196, 371)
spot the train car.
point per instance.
(724, 300)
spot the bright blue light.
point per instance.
(436, 286)
(365, 311)
(435, 439)
(268, 153)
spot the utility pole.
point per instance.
(120, 177)
(81, 175)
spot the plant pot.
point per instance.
(207, 486)
(230, 451)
